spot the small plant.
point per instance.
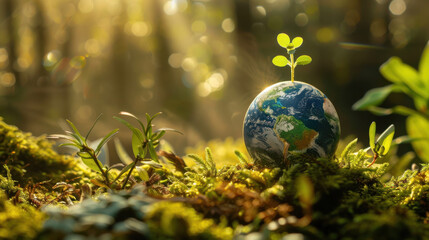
(208, 164)
(382, 146)
(144, 142)
(281, 61)
(413, 83)
(88, 155)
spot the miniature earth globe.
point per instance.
(290, 119)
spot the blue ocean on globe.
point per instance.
(289, 119)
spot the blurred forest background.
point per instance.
(200, 62)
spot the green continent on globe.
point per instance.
(294, 132)
(288, 119)
(274, 94)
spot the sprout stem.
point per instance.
(292, 67)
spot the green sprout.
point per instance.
(381, 147)
(144, 142)
(281, 61)
(88, 154)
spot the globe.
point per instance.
(290, 119)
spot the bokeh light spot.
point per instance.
(301, 19)
(170, 8)
(397, 7)
(228, 25)
(325, 35)
(139, 29)
(24, 62)
(216, 81)
(78, 62)
(203, 89)
(189, 64)
(261, 10)
(147, 82)
(198, 26)
(92, 47)
(51, 59)
(378, 28)
(7, 79)
(175, 60)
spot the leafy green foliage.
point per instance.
(88, 155)
(382, 146)
(144, 142)
(413, 83)
(281, 61)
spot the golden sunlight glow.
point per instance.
(189, 64)
(175, 60)
(397, 7)
(228, 25)
(7, 80)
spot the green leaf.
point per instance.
(89, 161)
(133, 129)
(158, 135)
(124, 170)
(303, 60)
(105, 140)
(385, 140)
(398, 72)
(283, 39)
(149, 120)
(374, 97)
(418, 127)
(372, 136)
(169, 130)
(297, 42)
(122, 154)
(280, 61)
(136, 145)
(92, 127)
(401, 110)
(424, 65)
(136, 118)
(151, 163)
(72, 145)
(152, 152)
(78, 136)
(142, 173)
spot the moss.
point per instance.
(174, 220)
(21, 221)
(32, 159)
(219, 197)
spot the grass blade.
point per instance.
(92, 127)
(105, 140)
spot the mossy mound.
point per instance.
(32, 159)
(337, 198)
